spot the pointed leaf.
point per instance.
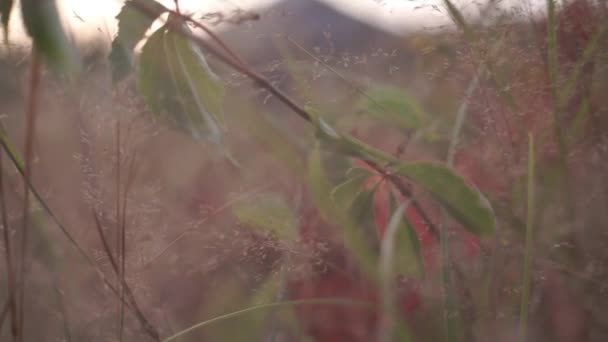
(458, 19)
(465, 202)
(318, 183)
(362, 214)
(153, 72)
(408, 257)
(179, 86)
(132, 25)
(205, 86)
(345, 193)
(355, 238)
(42, 23)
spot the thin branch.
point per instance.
(405, 191)
(225, 55)
(215, 38)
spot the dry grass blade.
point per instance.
(215, 212)
(8, 254)
(317, 301)
(10, 150)
(129, 299)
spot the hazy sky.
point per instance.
(85, 17)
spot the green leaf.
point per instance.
(204, 85)
(318, 183)
(153, 72)
(269, 213)
(132, 25)
(348, 220)
(459, 19)
(6, 7)
(408, 256)
(345, 193)
(363, 230)
(463, 201)
(179, 86)
(42, 23)
(394, 107)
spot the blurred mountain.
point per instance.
(314, 25)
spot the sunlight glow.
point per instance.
(86, 19)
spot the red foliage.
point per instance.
(327, 322)
(487, 169)
(344, 323)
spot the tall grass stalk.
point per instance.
(11, 303)
(30, 117)
(553, 71)
(525, 296)
(448, 300)
(119, 236)
(19, 165)
(386, 330)
(317, 301)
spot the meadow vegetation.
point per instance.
(178, 185)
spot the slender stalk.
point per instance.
(123, 243)
(450, 319)
(525, 296)
(386, 330)
(316, 301)
(552, 65)
(62, 312)
(127, 298)
(449, 312)
(4, 312)
(461, 117)
(8, 255)
(30, 117)
(18, 163)
(119, 233)
(588, 54)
